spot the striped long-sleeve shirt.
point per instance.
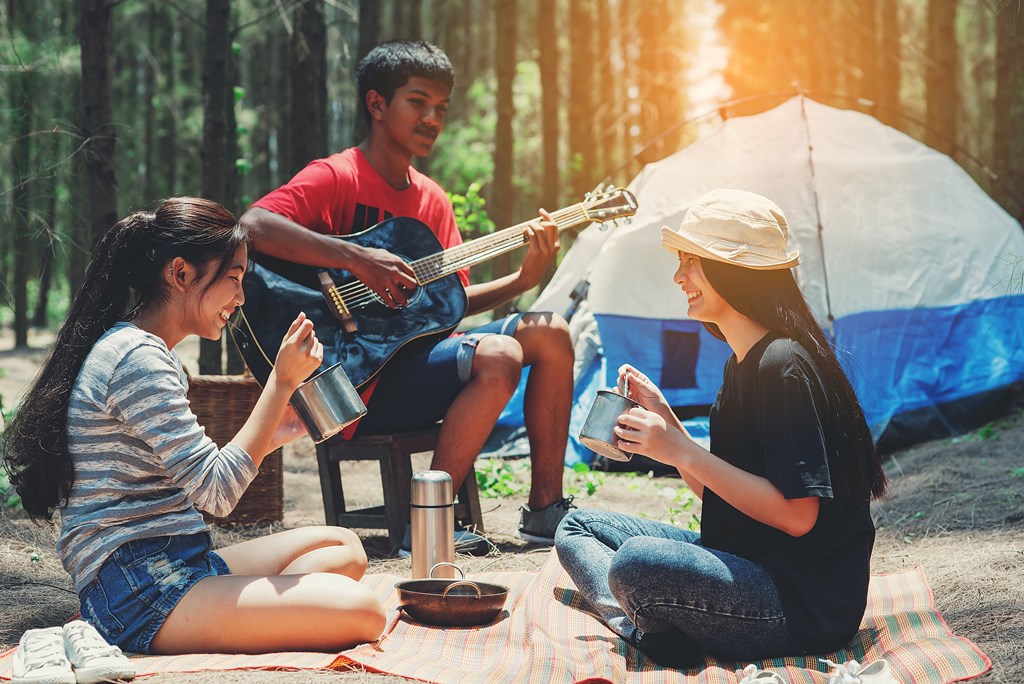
(143, 464)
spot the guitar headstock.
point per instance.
(607, 204)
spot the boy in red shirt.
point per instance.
(404, 90)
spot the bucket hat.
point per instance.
(736, 227)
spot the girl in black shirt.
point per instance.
(781, 563)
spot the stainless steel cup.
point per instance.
(597, 433)
(432, 516)
(327, 403)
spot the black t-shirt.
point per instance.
(769, 419)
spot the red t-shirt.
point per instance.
(344, 194)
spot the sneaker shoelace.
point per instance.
(843, 674)
(751, 675)
(87, 643)
(43, 650)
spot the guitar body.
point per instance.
(276, 291)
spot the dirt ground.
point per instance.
(956, 507)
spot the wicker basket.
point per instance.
(222, 403)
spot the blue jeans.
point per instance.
(419, 384)
(140, 584)
(658, 588)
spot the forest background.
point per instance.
(110, 105)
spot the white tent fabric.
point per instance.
(904, 258)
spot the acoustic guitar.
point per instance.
(357, 329)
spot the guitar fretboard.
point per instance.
(436, 266)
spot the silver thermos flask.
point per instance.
(432, 516)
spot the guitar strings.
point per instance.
(433, 267)
(437, 266)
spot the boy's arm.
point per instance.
(543, 245)
(386, 274)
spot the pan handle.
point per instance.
(430, 574)
(462, 583)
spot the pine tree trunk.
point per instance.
(551, 98)
(867, 44)
(414, 20)
(308, 86)
(581, 91)
(20, 216)
(369, 36)
(604, 116)
(45, 274)
(169, 125)
(889, 79)
(78, 250)
(942, 73)
(97, 122)
(506, 20)
(149, 188)
(214, 148)
(1008, 128)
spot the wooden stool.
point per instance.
(394, 453)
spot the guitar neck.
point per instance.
(449, 261)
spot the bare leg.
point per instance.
(253, 614)
(547, 349)
(497, 366)
(320, 548)
(295, 590)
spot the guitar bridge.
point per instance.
(335, 302)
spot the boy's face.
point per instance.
(414, 117)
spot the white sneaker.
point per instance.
(40, 658)
(751, 675)
(877, 672)
(93, 658)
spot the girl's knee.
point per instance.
(357, 613)
(367, 613)
(630, 569)
(341, 551)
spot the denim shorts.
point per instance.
(141, 583)
(417, 386)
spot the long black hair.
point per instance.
(123, 278)
(772, 299)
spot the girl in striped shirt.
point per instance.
(105, 436)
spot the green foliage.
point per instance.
(1017, 472)
(679, 508)
(581, 479)
(464, 154)
(470, 212)
(986, 433)
(496, 477)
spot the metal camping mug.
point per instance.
(327, 403)
(432, 517)
(597, 433)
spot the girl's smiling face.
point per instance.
(212, 305)
(702, 300)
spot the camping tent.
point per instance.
(906, 262)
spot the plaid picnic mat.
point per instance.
(544, 635)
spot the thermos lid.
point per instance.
(432, 488)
